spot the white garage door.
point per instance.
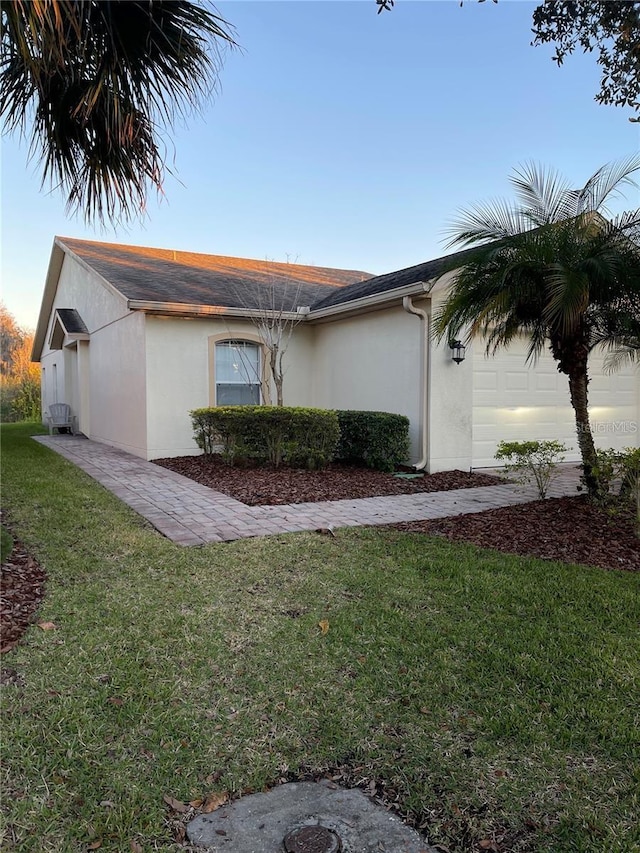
(514, 402)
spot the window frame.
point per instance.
(240, 337)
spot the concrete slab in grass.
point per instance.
(277, 821)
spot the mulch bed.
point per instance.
(22, 588)
(570, 530)
(260, 486)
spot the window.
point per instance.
(237, 365)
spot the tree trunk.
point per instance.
(578, 381)
(276, 372)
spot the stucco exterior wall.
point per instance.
(371, 362)
(180, 375)
(117, 390)
(450, 401)
(103, 379)
(84, 290)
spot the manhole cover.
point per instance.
(312, 839)
(304, 817)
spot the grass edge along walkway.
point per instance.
(492, 698)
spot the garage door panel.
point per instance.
(516, 381)
(487, 380)
(546, 382)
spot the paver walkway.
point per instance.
(191, 514)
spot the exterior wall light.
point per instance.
(458, 351)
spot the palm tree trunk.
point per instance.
(578, 381)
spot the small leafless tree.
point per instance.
(273, 309)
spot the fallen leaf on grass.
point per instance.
(323, 624)
(95, 844)
(176, 805)
(488, 844)
(115, 700)
(50, 626)
(213, 801)
(135, 847)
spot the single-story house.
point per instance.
(134, 338)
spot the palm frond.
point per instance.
(542, 193)
(97, 83)
(483, 223)
(620, 355)
(607, 182)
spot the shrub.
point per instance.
(630, 486)
(535, 460)
(606, 470)
(274, 434)
(20, 399)
(377, 440)
(623, 466)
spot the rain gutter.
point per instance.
(183, 309)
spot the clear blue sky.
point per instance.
(344, 138)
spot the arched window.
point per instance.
(238, 373)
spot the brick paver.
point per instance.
(189, 513)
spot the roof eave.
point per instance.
(50, 287)
(182, 309)
(364, 303)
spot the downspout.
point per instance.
(410, 308)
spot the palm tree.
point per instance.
(95, 81)
(555, 267)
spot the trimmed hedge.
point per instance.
(375, 439)
(305, 438)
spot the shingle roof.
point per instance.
(387, 282)
(72, 321)
(165, 275)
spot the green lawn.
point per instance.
(492, 696)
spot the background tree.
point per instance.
(93, 83)
(609, 27)
(550, 267)
(10, 338)
(20, 392)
